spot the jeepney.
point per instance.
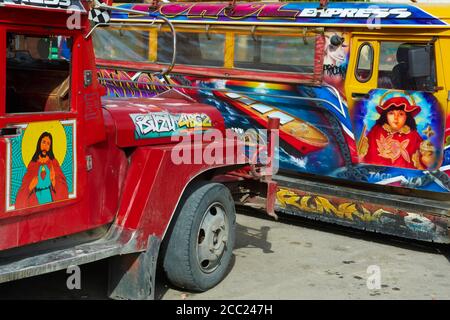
(84, 179)
(361, 91)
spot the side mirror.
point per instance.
(419, 62)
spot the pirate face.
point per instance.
(335, 50)
(396, 119)
(399, 103)
(336, 40)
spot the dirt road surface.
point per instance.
(289, 259)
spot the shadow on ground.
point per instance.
(246, 237)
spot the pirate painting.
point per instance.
(394, 139)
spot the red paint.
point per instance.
(274, 10)
(173, 11)
(120, 110)
(211, 10)
(139, 191)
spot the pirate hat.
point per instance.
(400, 102)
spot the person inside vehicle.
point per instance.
(400, 73)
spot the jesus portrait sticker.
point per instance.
(41, 164)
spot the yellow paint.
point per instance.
(439, 10)
(321, 205)
(34, 131)
(229, 50)
(352, 84)
(358, 39)
(152, 45)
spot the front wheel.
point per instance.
(200, 247)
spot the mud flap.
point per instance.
(272, 188)
(132, 276)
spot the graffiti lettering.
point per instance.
(209, 11)
(333, 70)
(380, 176)
(174, 10)
(321, 205)
(164, 124)
(275, 11)
(160, 122)
(356, 211)
(244, 10)
(193, 120)
(398, 13)
(121, 83)
(271, 10)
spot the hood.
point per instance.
(151, 121)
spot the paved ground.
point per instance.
(290, 260)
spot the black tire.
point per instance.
(188, 240)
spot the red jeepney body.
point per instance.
(84, 210)
(85, 178)
(115, 177)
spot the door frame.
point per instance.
(354, 86)
(22, 119)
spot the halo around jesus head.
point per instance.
(31, 136)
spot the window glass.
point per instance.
(364, 66)
(394, 69)
(196, 49)
(275, 53)
(121, 44)
(37, 73)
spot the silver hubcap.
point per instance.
(212, 238)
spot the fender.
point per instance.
(144, 121)
(154, 186)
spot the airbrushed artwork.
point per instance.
(300, 12)
(165, 124)
(139, 141)
(399, 132)
(346, 122)
(335, 63)
(306, 136)
(311, 140)
(41, 164)
(362, 215)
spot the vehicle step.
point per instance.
(21, 266)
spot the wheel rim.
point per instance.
(212, 238)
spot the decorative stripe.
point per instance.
(356, 14)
